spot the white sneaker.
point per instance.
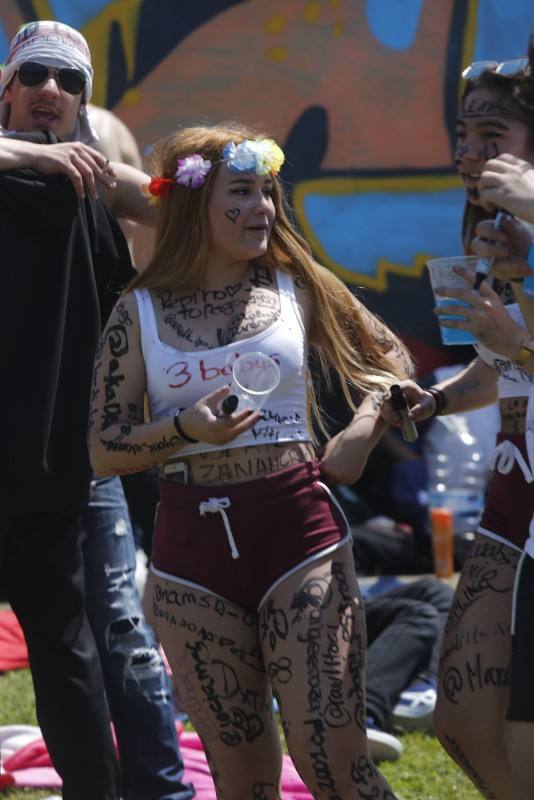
(415, 708)
(383, 746)
(141, 570)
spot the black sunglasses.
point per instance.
(31, 73)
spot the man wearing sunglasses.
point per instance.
(46, 84)
(62, 251)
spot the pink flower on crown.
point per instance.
(192, 171)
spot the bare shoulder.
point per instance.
(116, 141)
(121, 339)
(128, 199)
(125, 314)
(128, 302)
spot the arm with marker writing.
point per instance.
(120, 442)
(346, 454)
(474, 387)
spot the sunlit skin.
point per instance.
(44, 107)
(241, 215)
(485, 128)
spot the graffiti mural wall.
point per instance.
(361, 93)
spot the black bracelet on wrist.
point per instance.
(440, 400)
(180, 431)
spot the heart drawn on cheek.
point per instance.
(232, 214)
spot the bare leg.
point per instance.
(520, 723)
(213, 648)
(520, 752)
(470, 716)
(312, 629)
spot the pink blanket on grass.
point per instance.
(31, 766)
(13, 650)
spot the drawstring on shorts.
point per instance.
(219, 505)
(505, 455)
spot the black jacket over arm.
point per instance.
(62, 262)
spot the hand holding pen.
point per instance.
(400, 406)
(484, 265)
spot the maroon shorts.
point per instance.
(510, 503)
(274, 524)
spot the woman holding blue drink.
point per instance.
(485, 711)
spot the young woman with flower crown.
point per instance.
(252, 585)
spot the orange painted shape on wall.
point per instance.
(385, 106)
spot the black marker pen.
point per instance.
(229, 404)
(484, 265)
(399, 404)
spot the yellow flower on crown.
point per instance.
(270, 157)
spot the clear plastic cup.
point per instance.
(442, 276)
(254, 377)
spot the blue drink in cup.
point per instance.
(528, 286)
(442, 276)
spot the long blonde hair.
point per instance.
(342, 328)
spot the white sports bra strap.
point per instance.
(288, 301)
(147, 320)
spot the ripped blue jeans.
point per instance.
(137, 686)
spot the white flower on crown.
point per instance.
(241, 157)
(261, 156)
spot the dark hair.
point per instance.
(516, 92)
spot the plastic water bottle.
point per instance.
(456, 473)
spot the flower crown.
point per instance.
(260, 156)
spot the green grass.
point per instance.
(423, 773)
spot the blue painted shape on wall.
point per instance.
(394, 22)
(356, 231)
(503, 29)
(77, 12)
(4, 44)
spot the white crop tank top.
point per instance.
(513, 381)
(178, 378)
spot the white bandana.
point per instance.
(55, 45)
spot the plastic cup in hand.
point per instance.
(443, 277)
(254, 377)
